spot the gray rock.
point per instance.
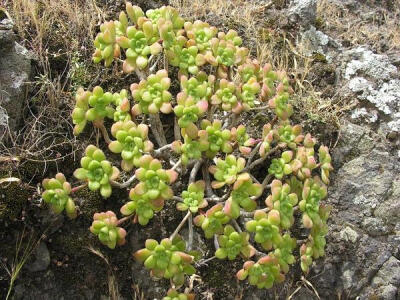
(314, 41)
(388, 274)
(15, 71)
(363, 114)
(302, 12)
(374, 79)
(42, 259)
(365, 62)
(349, 235)
(374, 226)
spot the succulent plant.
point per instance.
(190, 149)
(313, 192)
(106, 46)
(284, 252)
(56, 194)
(266, 229)
(249, 94)
(97, 171)
(233, 243)
(242, 196)
(267, 139)
(284, 165)
(154, 180)
(244, 141)
(193, 197)
(188, 111)
(199, 87)
(325, 162)
(80, 109)
(263, 273)
(105, 226)
(123, 106)
(200, 34)
(289, 136)
(282, 201)
(175, 295)
(217, 137)
(132, 142)
(152, 94)
(213, 221)
(225, 96)
(239, 84)
(249, 70)
(167, 259)
(226, 171)
(100, 105)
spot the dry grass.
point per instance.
(113, 291)
(383, 25)
(59, 34)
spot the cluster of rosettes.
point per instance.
(105, 226)
(97, 171)
(167, 259)
(236, 84)
(233, 243)
(149, 194)
(193, 197)
(56, 194)
(132, 142)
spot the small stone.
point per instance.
(375, 226)
(388, 274)
(302, 12)
(349, 235)
(42, 259)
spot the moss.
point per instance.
(91, 202)
(13, 197)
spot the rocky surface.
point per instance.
(15, 71)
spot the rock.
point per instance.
(349, 235)
(362, 114)
(313, 42)
(42, 259)
(374, 226)
(374, 80)
(302, 12)
(15, 71)
(365, 62)
(388, 274)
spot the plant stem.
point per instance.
(159, 151)
(206, 177)
(120, 221)
(253, 153)
(194, 171)
(190, 228)
(177, 198)
(266, 180)
(141, 75)
(180, 226)
(78, 188)
(103, 130)
(216, 244)
(205, 261)
(177, 130)
(157, 129)
(236, 225)
(124, 184)
(251, 213)
(261, 159)
(176, 165)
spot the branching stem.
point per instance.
(157, 129)
(120, 221)
(124, 184)
(103, 130)
(78, 188)
(261, 159)
(190, 228)
(195, 170)
(173, 235)
(236, 225)
(251, 213)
